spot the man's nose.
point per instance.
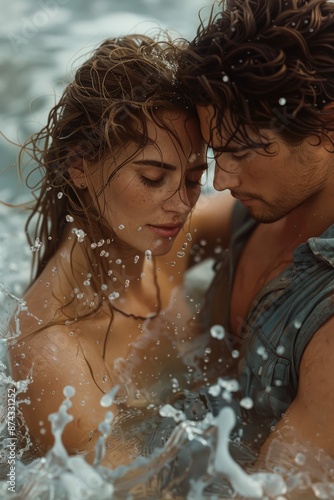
(224, 179)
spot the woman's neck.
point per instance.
(128, 278)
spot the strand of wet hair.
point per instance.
(135, 316)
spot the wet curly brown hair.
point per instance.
(126, 81)
(265, 64)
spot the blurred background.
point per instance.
(40, 42)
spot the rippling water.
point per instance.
(39, 41)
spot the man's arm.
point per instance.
(310, 418)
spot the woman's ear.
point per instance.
(77, 173)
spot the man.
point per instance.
(262, 75)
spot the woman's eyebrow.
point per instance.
(155, 163)
(168, 166)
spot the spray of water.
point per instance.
(193, 463)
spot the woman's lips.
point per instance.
(166, 231)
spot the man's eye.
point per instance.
(239, 156)
(152, 183)
(190, 183)
(195, 181)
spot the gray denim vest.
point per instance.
(283, 318)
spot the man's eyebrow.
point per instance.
(168, 166)
(230, 149)
(203, 166)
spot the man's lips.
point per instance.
(243, 198)
(166, 230)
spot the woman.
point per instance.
(120, 163)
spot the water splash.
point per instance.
(194, 460)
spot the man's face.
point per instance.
(270, 182)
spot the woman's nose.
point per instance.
(183, 200)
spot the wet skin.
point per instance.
(290, 192)
(145, 206)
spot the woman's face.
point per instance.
(150, 196)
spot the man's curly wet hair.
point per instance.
(265, 64)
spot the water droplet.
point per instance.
(170, 411)
(118, 261)
(280, 350)
(282, 101)
(139, 228)
(297, 324)
(261, 351)
(225, 78)
(60, 195)
(113, 296)
(37, 245)
(104, 287)
(180, 254)
(121, 227)
(217, 332)
(148, 254)
(300, 458)
(235, 354)
(189, 237)
(79, 233)
(246, 403)
(136, 259)
(214, 390)
(69, 218)
(69, 391)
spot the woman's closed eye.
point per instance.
(153, 183)
(192, 180)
